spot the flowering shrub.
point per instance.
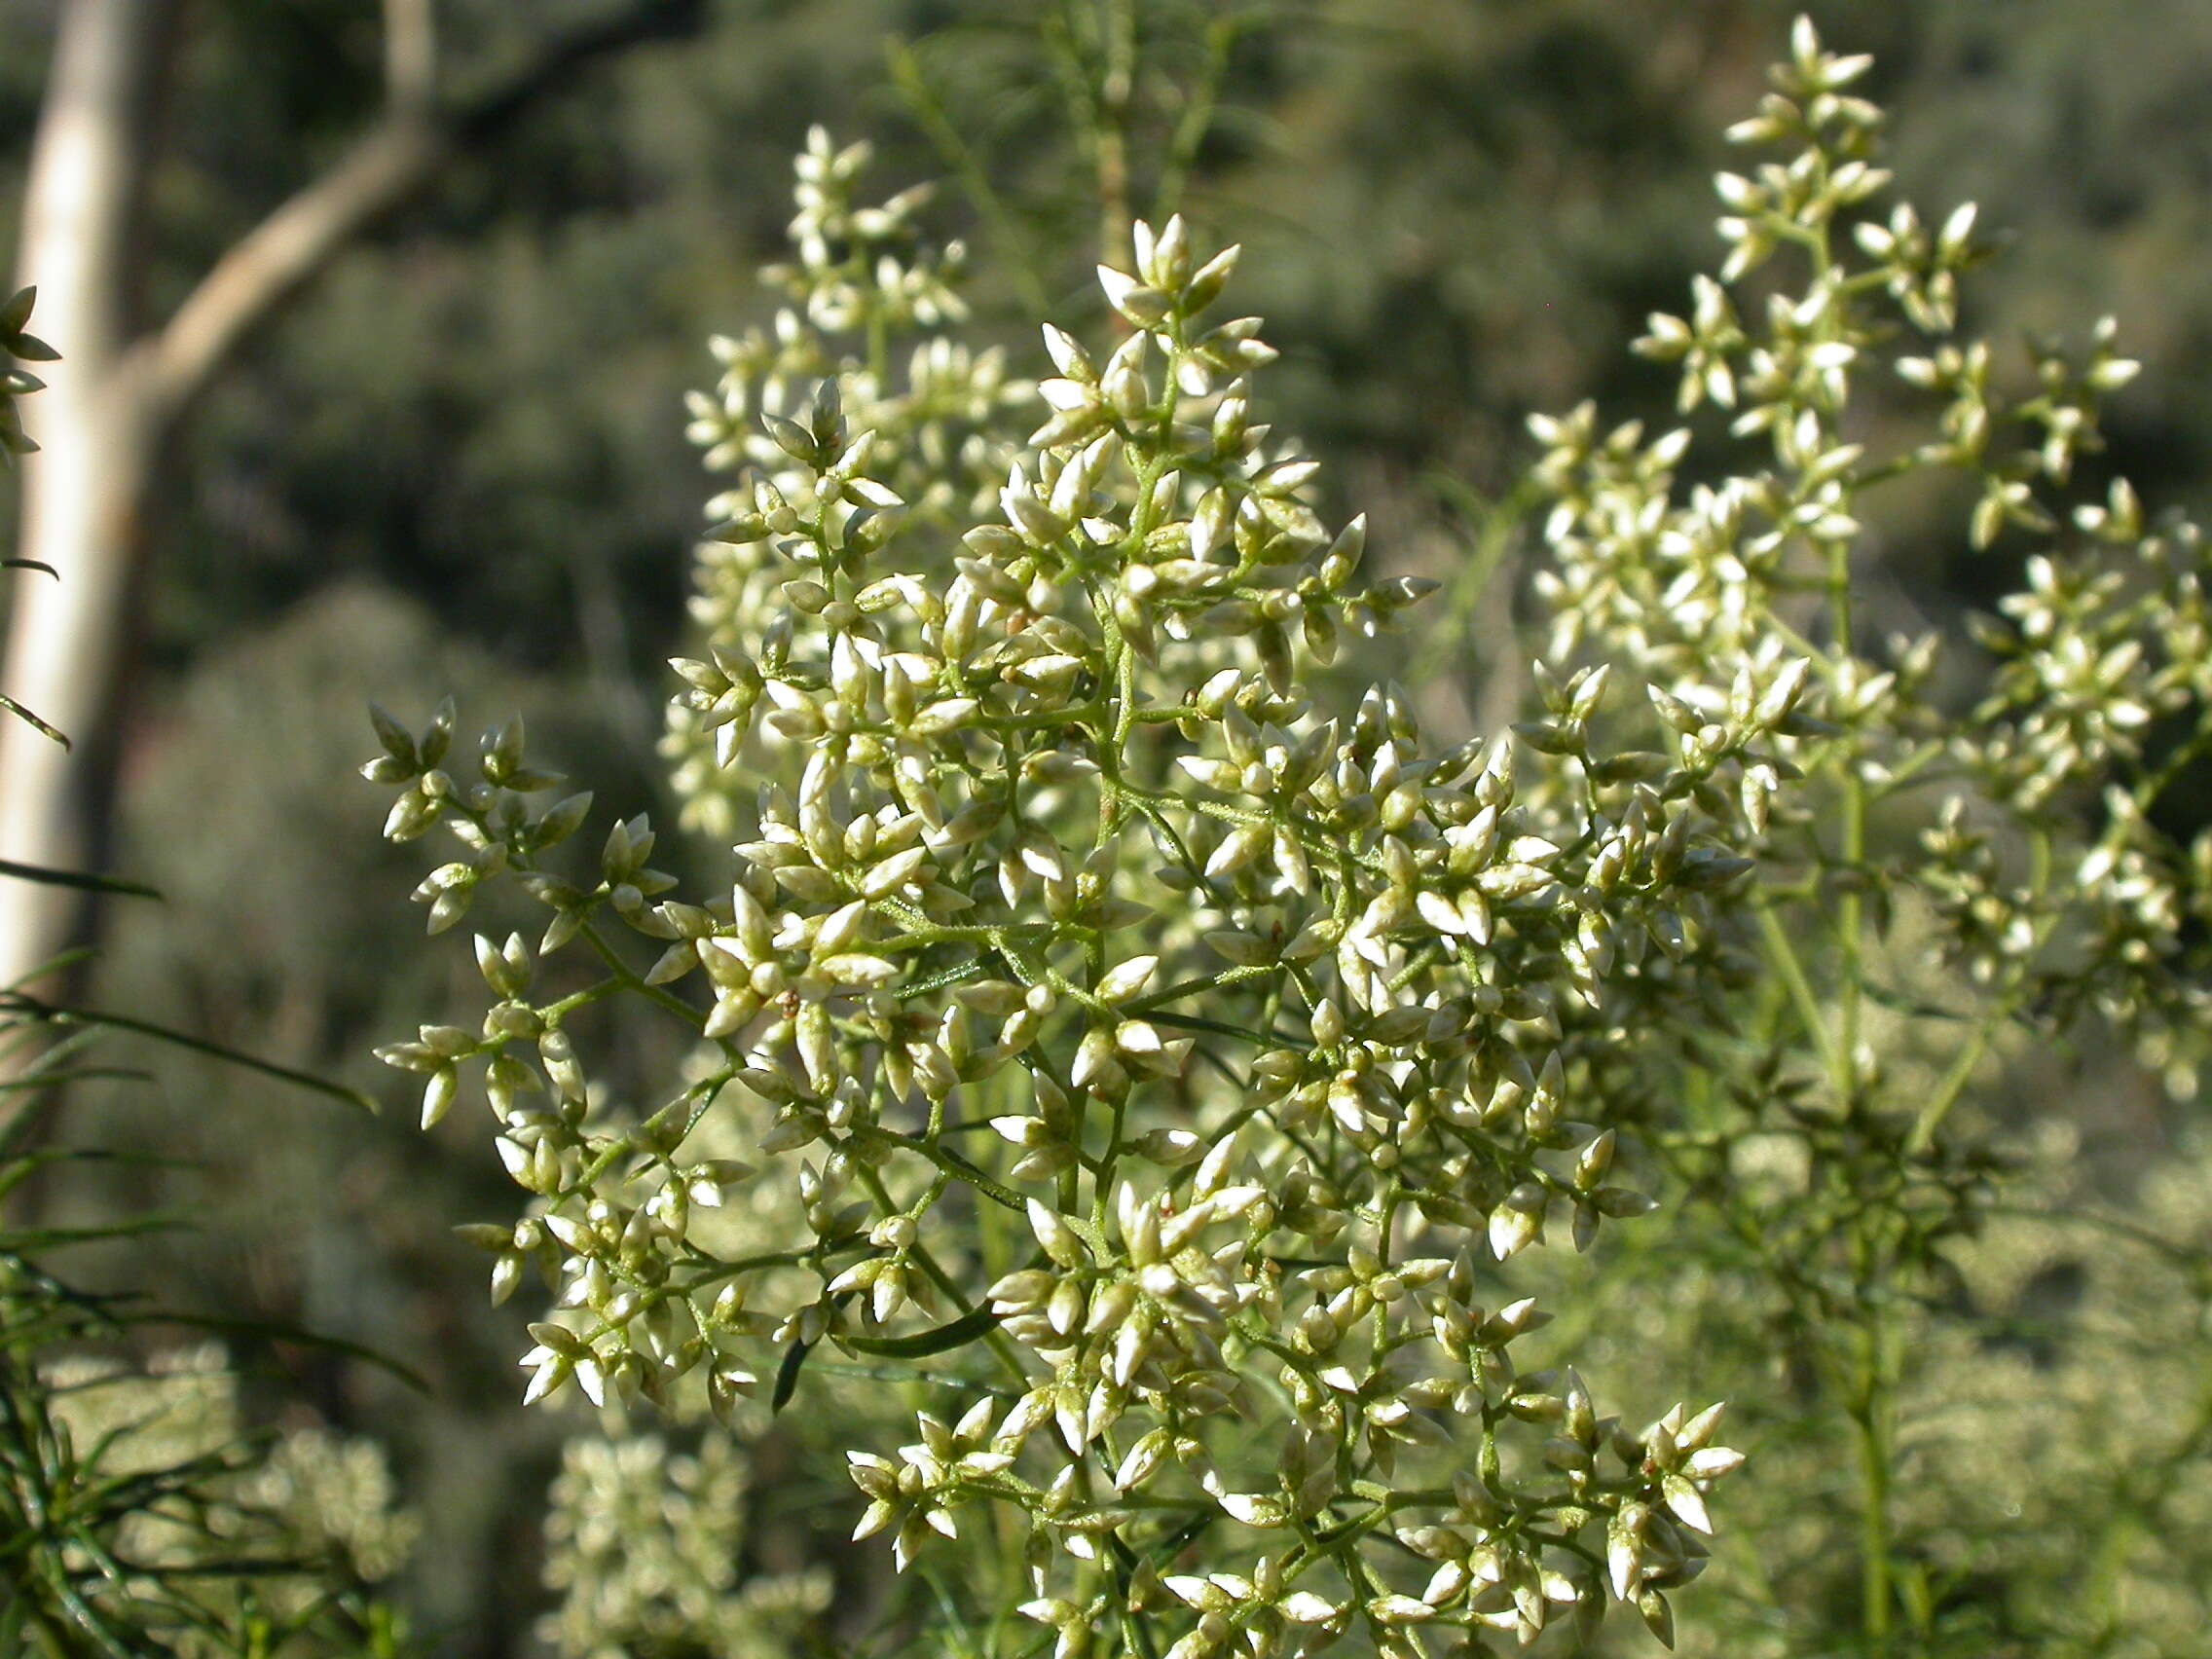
(1170, 1062)
(1935, 896)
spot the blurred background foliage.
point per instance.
(458, 463)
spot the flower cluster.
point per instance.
(944, 417)
(1175, 1062)
(2102, 696)
(644, 1544)
(1991, 805)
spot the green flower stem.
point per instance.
(2002, 1011)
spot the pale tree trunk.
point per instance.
(81, 496)
(113, 401)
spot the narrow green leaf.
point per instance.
(956, 1333)
(787, 1376)
(87, 880)
(263, 1330)
(61, 1016)
(32, 720)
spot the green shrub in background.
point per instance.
(137, 1513)
(1154, 1066)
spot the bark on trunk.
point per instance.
(112, 403)
(81, 493)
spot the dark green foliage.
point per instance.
(135, 1519)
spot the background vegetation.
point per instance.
(458, 463)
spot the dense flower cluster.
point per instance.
(1834, 1129)
(1172, 1061)
(2102, 697)
(1170, 1065)
(946, 419)
(644, 1545)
